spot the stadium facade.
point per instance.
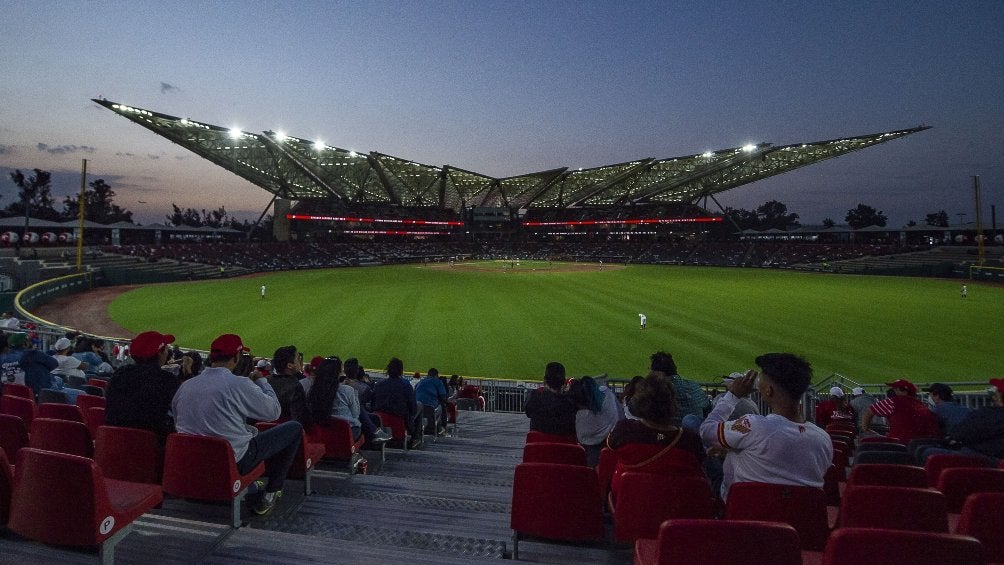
(322, 189)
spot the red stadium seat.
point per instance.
(85, 401)
(983, 518)
(6, 487)
(957, 483)
(895, 508)
(555, 501)
(533, 436)
(65, 500)
(879, 474)
(865, 546)
(307, 457)
(605, 470)
(804, 508)
(13, 435)
(878, 439)
(883, 457)
(100, 383)
(882, 446)
(204, 468)
(720, 542)
(129, 454)
(398, 430)
(646, 500)
(935, 464)
(336, 437)
(15, 389)
(843, 428)
(94, 417)
(23, 408)
(55, 411)
(62, 436)
(831, 484)
(564, 453)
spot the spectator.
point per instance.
(860, 401)
(218, 403)
(287, 363)
(948, 411)
(836, 406)
(394, 395)
(84, 350)
(981, 433)
(550, 410)
(629, 392)
(431, 392)
(139, 395)
(690, 397)
(195, 366)
(10, 356)
(908, 417)
(69, 365)
(331, 398)
(743, 407)
(595, 417)
(357, 378)
(655, 442)
(780, 448)
(470, 391)
(38, 367)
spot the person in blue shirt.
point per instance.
(948, 411)
(431, 392)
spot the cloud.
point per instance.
(166, 88)
(8, 149)
(63, 149)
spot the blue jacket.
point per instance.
(430, 391)
(37, 366)
(394, 395)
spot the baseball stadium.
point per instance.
(496, 281)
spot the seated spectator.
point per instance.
(287, 363)
(629, 392)
(835, 406)
(859, 403)
(981, 433)
(194, 366)
(780, 448)
(357, 378)
(329, 397)
(908, 417)
(470, 391)
(139, 395)
(69, 365)
(551, 410)
(219, 403)
(596, 416)
(655, 442)
(394, 395)
(85, 351)
(692, 399)
(38, 367)
(10, 371)
(948, 411)
(431, 392)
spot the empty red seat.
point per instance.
(65, 500)
(129, 454)
(957, 483)
(646, 500)
(983, 518)
(204, 468)
(804, 508)
(881, 474)
(308, 455)
(533, 436)
(15, 389)
(85, 401)
(21, 407)
(339, 445)
(565, 453)
(867, 546)
(56, 411)
(6, 487)
(605, 470)
(879, 439)
(13, 435)
(895, 508)
(94, 417)
(100, 383)
(63, 436)
(555, 501)
(935, 464)
(831, 484)
(720, 542)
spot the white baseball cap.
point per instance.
(857, 391)
(837, 391)
(62, 343)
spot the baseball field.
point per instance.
(500, 319)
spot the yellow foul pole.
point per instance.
(80, 235)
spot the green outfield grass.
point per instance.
(495, 321)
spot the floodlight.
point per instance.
(749, 148)
(708, 155)
(319, 145)
(280, 136)
(235, 133)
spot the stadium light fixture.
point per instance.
(318, 145)
(280, 136)
(235, 133)
(708, 155)
(749, 148)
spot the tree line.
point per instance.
(775, 215)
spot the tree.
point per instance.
(938, 219)
(98, 205)
(37, 192)
(745, 219)
(864, 216)
(774, 214)
(828, 223)
(189, 217)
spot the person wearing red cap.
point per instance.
(219, 403)
(140, 395)
(981, 434)
(909, 418)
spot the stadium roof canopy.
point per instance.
(298, 169)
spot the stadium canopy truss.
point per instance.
(297, 169)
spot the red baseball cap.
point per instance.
(227, 345)
(148, 344)
(998, 384)
(316, 361)
(903, 384)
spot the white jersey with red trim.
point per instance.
(767, 449)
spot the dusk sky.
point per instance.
(512, 87)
